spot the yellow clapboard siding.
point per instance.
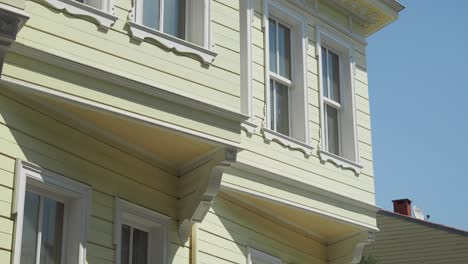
(5, 256)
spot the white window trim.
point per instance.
(263, 257)
(299, 45)
(205, 52)
(324, 37)
(104, 18)
(246, 24)
(28, 174)
(136, 212)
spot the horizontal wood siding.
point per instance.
(230, 228)
(29, 134)
(403, 241)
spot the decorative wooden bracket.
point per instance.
(11, 21)
(198, 187)
(349, 250)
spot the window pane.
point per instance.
(334, 76)
(125, 245)
(272, 105)
(272, 44)
(174, 18)
(325, 72)
(30, 222)
(282, 109)
(52, 225)
(140, 247)
(151, 13)
(284, 50)
(332, 130)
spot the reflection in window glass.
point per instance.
(272, 44)
(151, 13)
(43, 221)
(174, 18)
(284, 51)
(332, 130)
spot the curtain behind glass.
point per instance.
(140, 247)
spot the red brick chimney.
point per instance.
(402, 206)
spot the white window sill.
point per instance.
(340, 161)
(290, 142)
(103, 19)
(141, 32)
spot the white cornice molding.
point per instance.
(286, 180)
(116, 79)
(178, 45)
(103, 19)
(340, 161)
(289, 142)
(107, 109)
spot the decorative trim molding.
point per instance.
(177, 45)
(359, 248)
(339, 161)
(124, 81)
(11, 21)
(194, 206)
(102, 18)
(249, 126)
(292, 143)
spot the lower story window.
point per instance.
(134, 249)
(42, 230)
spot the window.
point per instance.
(258, 257)
(280, 76)
(165, 16)
(286, 118)
(339, 139)
(51, 217)
(180, 25)
(141, 235)
(101, 11)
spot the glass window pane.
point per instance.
(140, 247)
(174, 18)
(284, 51)
(282, 109)
(334, 76)
(325, 72)
(125, 245)
(151, 13)
(30, 225)
(272, 44)
(332, 130)
(52, 225)
(272, 105)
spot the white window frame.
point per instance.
(196, 9)
(104, 17)
(146, 220)
(348, 138)
(262, 257)
(299, 114)
(76, 198)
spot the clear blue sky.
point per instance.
(418, 85)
